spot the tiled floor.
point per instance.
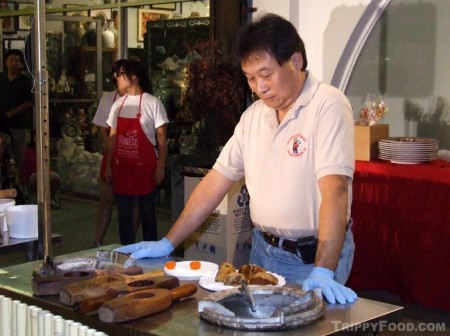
(75, 221)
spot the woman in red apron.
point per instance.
(137, 148)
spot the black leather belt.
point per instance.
(294, 246)
(287, 245)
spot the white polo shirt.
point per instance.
(283, 163)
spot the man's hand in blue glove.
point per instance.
(144, 249)
(333, 291)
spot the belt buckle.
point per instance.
(272, 239)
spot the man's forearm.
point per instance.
(19, 109)
(332, 221)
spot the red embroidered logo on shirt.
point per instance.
(296, 145)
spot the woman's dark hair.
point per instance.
(270, 33)
(133, 67)
(116, 68)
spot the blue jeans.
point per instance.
(291, 266)
(125, 205)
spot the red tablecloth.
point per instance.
(401, 225)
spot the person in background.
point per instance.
(5, 154)
(5, 136)
(5, 148)
(28, 174)
(137, 150)
(104, 214)
(16, 102)
(294, 146)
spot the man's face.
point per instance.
(276, 85)
(13, 63)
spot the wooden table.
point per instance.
(182, 318)
(401, 217)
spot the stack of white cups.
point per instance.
(19, 319)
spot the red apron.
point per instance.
(105, 154)
(134, 159)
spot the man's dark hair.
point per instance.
(270, 33)
(14, 52)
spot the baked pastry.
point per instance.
(224, 269)
(249, 269)
(263, 278)
(254, 274)
(234, 279)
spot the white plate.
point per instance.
(407, 162)
(208, 281)
(408, 140)
(407, 159)
(183, 270)
(408, 150)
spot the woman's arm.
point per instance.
(111, 146)
(161, 140)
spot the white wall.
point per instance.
(326, 25)
(321, 25)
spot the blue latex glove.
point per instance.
(333, 291)
(144, 249)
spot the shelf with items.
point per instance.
(72, 118)
(78, 73)
(75, 146)
(189, 62)
(71, 100)
(169, 47)
(91, 72)
(65, 66)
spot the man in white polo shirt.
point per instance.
(295, 148)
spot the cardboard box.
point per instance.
(366, 141)
(226, 233)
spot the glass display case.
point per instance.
(77, 72)
(89, 70)
(169, 46)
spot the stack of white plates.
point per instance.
(408, 150)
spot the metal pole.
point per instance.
(42, 135)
